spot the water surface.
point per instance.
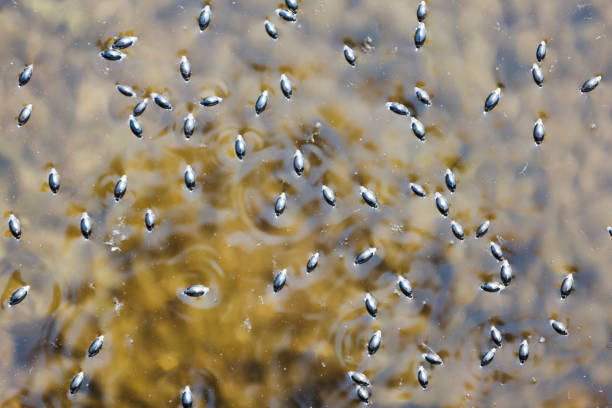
(242, 345)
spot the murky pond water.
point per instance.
(242, 344)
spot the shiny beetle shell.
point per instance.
(298, 162)
(457, 230)
(140, 107)
(204, 19)
(190, 178)
(590, 84)
(363, 393)
(186, 397)
(328, 195)
(26, 75)
(185, 68)
(483, 228)
(359, 378)
(292, 5)
(196, 290)
(126, 90)
(149, 220)
(120, 188)
(422, 96)
(280, 280)
(567, 285)
(76, 382)
(538, 132)
(86, 225)
(349, 55)
(112, 55)
(433, 358)
(240, 147)
(420, 35)
(536, 73)
(369, 197)
(418, 189)
(280, 204)
(365, 255)
(313, 261)
(488, 357)
(262, 103)
(162, 101)
(285, 86)
(271, 29)
(505, 272)
(124, 42)
(398, 108)
(135, 126)
(441, 204)
(95, 346)
(450, 180)
(405, 286)
(496, 251)
(189, 125)
(491, 287)
(559, 327)
(541, 51)
(54, 180)
(24, 115)
(374, 343)
(287, 15)
(421, 11)
(417, 128)
(211, 101)
(18, 295)
(492, 100)
(523, 351)
(14, 226)
(371, 304)
(496, 336)
(422, 377)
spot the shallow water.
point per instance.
(242, 344)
